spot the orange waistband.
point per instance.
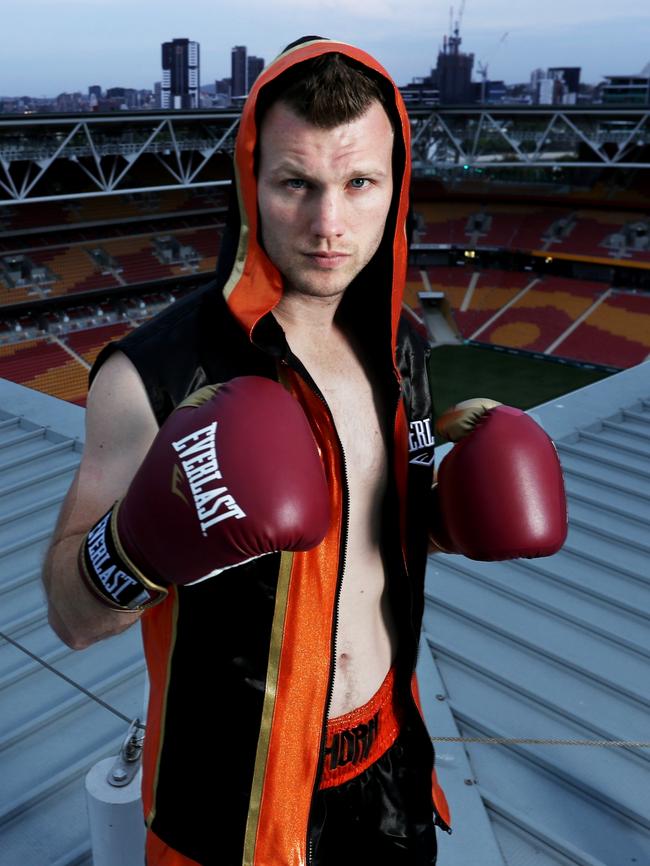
(357, 739)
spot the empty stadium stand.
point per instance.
(105, 209)
(454, 282)
(587, 234)
(477, 296)
(43, 364)
(540, 315)
(444, 223)
(579, 319)
(88, 343)
(616, 333)
(534, 228)
(79, 267)
(76, 271)
(597, 233)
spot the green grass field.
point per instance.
(459, 372)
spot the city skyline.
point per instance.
(78, 42)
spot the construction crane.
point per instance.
(452, 42)
(460, 14)
(454, 31)
(483, 66)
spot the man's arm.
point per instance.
(120, 427)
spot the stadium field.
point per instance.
(460, 372)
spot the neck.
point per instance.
(306, 314)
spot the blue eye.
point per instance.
(359, 182)
(295, 183)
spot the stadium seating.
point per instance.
(492, 290)
(50, 215)
(16, 294)
(89, 342)
(76, 272)
(103, 208)
(205, 240)
(616, 333)
(588, 231)
(509, 226)
(542, 314)
(522, 227)
(44, 365)
(503, 226)
(454, 282)
(534, 227)
(444, 223)
(60, 236)
(30, 215)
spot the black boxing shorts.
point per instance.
(374, 801)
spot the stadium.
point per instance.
(529, 276)
(547, 256)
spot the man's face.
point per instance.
(323, 197)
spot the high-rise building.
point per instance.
(181, 76)
(239, 71)
(453, 73)
(569, 78)
(94, 96)
(254, 68)
(627, 89)
(244, 70)
(222, 93)
(125, 97)
(559, 86)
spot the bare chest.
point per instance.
(365, 642)
(356, 415)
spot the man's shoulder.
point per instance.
(167, 350)
(183, 314)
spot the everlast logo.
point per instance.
(113, 579)
(421, 437)
(201, 468)
(353, 745)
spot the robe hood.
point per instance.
(251, 284)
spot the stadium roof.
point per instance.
(50, 733)
(554, 648)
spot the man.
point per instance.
(283, 724)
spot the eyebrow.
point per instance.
(294, 170)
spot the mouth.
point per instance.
(328, 260)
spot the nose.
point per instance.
(327, 215)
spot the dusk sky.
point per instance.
(50, 46)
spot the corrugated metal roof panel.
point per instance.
(546, 648)
(50, 733)
(559, 648)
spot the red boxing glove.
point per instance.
(500, 491)
(233, 473)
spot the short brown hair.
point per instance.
(326, 91)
